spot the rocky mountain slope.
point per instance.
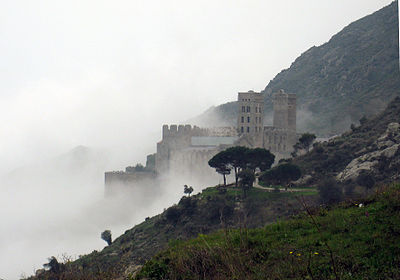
(356, 73)
(372, 148)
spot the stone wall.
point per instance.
(284, 110)
(178, 137)
(193, 162)
(279, 140)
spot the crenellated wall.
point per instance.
(178, 137)
(179, 131)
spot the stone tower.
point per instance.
(251, 113)
(284, 110)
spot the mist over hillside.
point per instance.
(355, 73)
(57, 207)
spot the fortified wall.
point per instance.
(185, 150)
(279, 141)
(178, 140)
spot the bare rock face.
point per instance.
(132, 270)
(387, 147)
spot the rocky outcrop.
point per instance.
(385, 151)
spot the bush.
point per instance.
(281, 175)
(172, 214)
(188, 205)
(106, 236)
(330, 191)
(366, 180)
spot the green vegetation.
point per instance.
(106, 236)
(351, 241)
(304, 143)
(281, 174)
(239, 158)
(187, 190)
(330, 191)
(137, 168)
(53, 265)
(247, 179)
(202, 213)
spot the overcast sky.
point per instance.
(110, 73)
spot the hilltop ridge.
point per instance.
(355, 73)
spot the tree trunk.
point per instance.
(224, 179)
(236, 177)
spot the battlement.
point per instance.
(178, 130)
(174, 131)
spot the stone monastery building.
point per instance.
(186, 149)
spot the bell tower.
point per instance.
(284, 110)
(250, 113)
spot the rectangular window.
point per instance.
(243, 109)
(248, 109)
(241, 129)
(242, 119)
(248, 129)
(248, 119)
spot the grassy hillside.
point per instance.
(345, 242)
(354, 74)
(199, 214)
